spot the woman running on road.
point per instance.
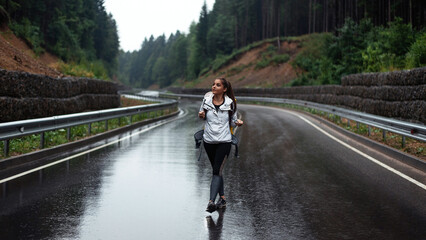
(219, 109)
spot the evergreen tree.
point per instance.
(74, 30)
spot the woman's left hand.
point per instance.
(239, 122)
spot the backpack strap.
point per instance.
(198, 137)
(199, 156)
(235, 143)
(230, 113)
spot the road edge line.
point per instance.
(402, 175)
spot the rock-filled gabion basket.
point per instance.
(27, 96)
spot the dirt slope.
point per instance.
(242, 72)
(15, 55)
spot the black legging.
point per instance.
(217, 154)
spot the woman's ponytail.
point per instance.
(229, 93)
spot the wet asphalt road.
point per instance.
(290, 182)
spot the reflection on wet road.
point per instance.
(290, 182)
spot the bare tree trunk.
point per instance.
(356, 10)
(263, 20)
(278, 23)
(349, 8)
(325, 22)
(365, 9)
(344, 11)
(271, 19)
(245, 25)
(379, 16)
(411, 13)
(389, 11)
(336, 15)
(310, 9)
(314, 12)
(236, 33)
(285, 21)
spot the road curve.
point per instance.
(291, 181)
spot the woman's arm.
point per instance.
(201, 112)
(235, 121)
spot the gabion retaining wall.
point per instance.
(399, 94)
(27, 96)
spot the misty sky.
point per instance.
(137, 19)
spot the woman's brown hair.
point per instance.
(229, 92)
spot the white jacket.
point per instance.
(216, 127)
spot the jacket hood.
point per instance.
(208, 102)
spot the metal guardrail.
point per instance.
(405, 129)
(16, 129)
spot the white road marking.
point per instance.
(88, 151)
(365, 155)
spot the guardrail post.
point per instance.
(349, 123)
(106, 125)
(131, 119)
(40, 176)
(403, 141)
(68, 133)
(42, 140)
(6, 147)
(4, 189)
(90, 129)
(384, 135)
(357, 126)
(369, 130)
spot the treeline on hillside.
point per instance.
(78, 31)
(231, 25)
(359, 47)
(159, 61)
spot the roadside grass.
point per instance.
(128, 102)
(222, 60)
(32, 142)
(411, 146)
(271, 57)
(84, 68)
(237, 69)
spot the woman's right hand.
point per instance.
(239, 122)
(201, 114)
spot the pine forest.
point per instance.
(350, 36)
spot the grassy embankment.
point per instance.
(270, 57)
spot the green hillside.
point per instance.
(335, 38)
(354, 36)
